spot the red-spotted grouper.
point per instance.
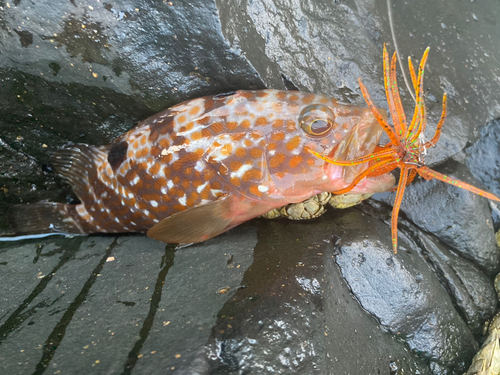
(207, 165)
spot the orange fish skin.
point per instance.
(247, 148)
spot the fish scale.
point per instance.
(206, 165)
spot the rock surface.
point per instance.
(323, 296)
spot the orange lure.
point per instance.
(406, 148)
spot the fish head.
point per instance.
(324, 125)
(361, 140)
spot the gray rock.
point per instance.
(483, 160)
(456, 216)
(298, 313)
(398, 290)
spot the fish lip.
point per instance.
(360, 141)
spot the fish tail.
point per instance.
(44, 217)
(77, 165)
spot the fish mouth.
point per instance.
(361, 140)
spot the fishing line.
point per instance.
(400, 61)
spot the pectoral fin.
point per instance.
(196, 224)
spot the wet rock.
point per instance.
(483, 160)
(296, 314)
(402, 292)
(457, 217)
(470, 287)
(25, 179)
(47, 283)
(149, 305)
(282, 296)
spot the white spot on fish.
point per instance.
(200, 188)
(173, 149)
(134, 181)
(183, 200)
(262, 188)
(145, 212)
(117, 220)
(164, 190)
(272, 152)
(175, 157)
(154, 203)
(241, 171)
(160, 173)
(170, 184)
(200, 166)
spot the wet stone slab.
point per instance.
(32, 328)
(269, 296)
(111, 317)
(201, 280)
(298, 315)
(110, 304)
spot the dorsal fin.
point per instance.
(76, 164)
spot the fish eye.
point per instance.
(317, 120)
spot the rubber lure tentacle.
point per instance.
(383, 164)
(420, 100)
(397, 203)
(378, 116)
(429, 174)
(437, 134)
(389, 93)
(397, 100)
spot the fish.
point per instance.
(206, 165)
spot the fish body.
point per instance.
(206, 165)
